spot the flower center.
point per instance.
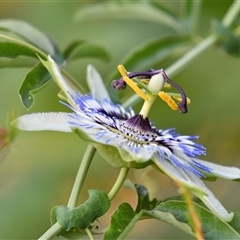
(148, 86)
(136, 129)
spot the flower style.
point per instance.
(126, 139)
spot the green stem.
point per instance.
(116, 187)
(82, 172)
(89, 234)
(51, 232)
(184, 61)
(72, 202)
(195, 16)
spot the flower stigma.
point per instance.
(148, 85)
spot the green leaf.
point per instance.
(139, 11)
(35, 79)
(71, 48)
(82, 216)
(235, 223)
(120, 223)
(17, 62)
(212, 226)
(153, 53)
(29, 33)
(124, 220)
(143, 199)
(229, 42)
(86, 50)
(176, 213)
(13, 50)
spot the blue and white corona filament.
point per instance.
(129, 138)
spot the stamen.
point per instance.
(166, 98)
(167, 85)
(180, 99)
(130, 83)
(182, 106)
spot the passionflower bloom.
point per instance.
(126, 139)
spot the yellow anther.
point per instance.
(167, 85)
(170, 102)
(122, 70)
(145, 81)
(130, 83)
(180, 99)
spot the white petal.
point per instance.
(197, 187)
(178, 175)
(96, 85)
(231, 173)
(55, 121)
(211, 201)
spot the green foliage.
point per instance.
(20, 41)
(35, 80)
(228, 40)
(83, 215)
(121, 222)
(20, 46)
(143, 199)
(174, 212)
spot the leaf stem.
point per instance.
(184, 61)
(72, 202)
(82, 172)
(89, 234)
(119, 182)
(51, 232)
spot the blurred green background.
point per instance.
(40, 171)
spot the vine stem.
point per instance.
(77, 186)
(82, 172)
(116, 187)
(184, 61)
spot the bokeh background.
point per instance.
(40, 171)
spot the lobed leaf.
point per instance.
(83, 215)
(124, 220)
(121, 222)
(143, 199)
(212, 226)
(172, 211)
